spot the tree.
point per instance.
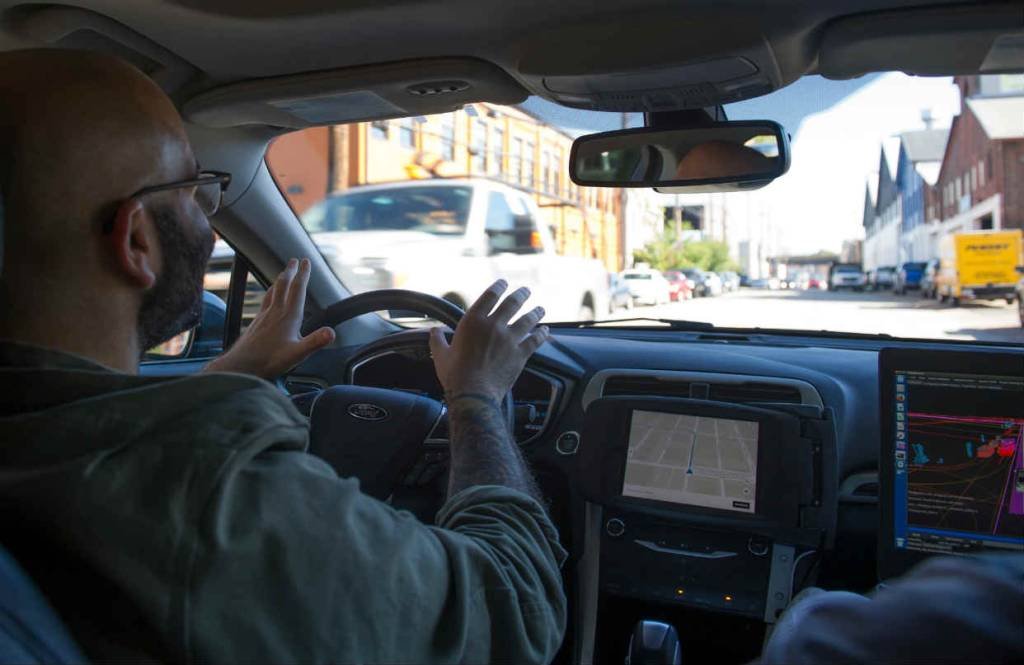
(671, 252)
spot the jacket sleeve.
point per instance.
(946, 610)
(293, 564)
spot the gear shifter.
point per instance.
(653, 643)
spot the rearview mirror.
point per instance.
(721, 156)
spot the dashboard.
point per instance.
(803, 417)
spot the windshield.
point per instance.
(435, 210)
(889, 174)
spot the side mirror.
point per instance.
(208, 341)
(720, 156)
(204, 341)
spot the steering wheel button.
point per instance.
(615, 527)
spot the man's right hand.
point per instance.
(487, 354)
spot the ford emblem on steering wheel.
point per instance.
(367, 412)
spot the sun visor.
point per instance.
(938, 41)
(394, 90)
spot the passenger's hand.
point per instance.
(273, 343)
(487, 354)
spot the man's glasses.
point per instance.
(210, 187)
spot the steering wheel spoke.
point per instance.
(383, 437)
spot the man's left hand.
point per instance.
(273, 343)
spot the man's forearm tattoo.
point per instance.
(483, 451)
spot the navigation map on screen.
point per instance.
(958, 462)
(692, 460)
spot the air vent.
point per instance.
(752, 393)
(718, 386)
(437, 88)
(869, 490)
(748, 392)
(642, 385)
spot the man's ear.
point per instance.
(133, 245)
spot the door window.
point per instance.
(206, 341)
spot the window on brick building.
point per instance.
(379, 129)
(529, 164)
(407, 133)
(496, 166)
(515, 159)
(546, 171)
(478, 146)
(981, 173)
(448, 137)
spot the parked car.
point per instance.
(846, 276)
(931, 269)
(908, 277)
(759, 283)
(1020, 295)
(647, 286)
(744, 279)
(679, 286)
(713, 283)
(619, 296)
(699, 279)
(452, 239)
(882, 278)
(817, 283)
(730, 281)
(978, 265)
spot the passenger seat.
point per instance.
(30, 631)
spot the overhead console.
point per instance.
(688, 62)
(392, 90)
(706, 503)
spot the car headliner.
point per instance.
(226, 41)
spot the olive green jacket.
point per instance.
(181, 519)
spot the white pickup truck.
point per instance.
(451, 239)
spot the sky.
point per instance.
(820, 202)
(837, 129)
(788, 106)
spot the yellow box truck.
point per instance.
(978, 265)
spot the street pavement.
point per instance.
(869, 312)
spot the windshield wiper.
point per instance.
(672, 324)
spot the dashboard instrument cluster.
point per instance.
(410, 368)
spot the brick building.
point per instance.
(981, 183)
(482, 140)
(970, 177)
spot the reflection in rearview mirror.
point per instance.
(719, 156)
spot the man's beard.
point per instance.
(175, 303)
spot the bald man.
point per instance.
(180, 519)
(721, 159)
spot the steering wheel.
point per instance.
(375, 434)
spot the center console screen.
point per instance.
(957, 461)
(692, 460)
